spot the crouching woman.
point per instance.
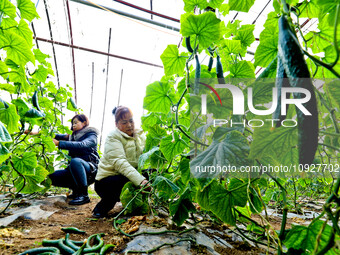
(123, 146)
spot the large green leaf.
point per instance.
(189, 5)
(180, 209)
(171, 146)
(17, 48)
(19, 77)
(145, 156)
(242, 69)
(328, 6)
(25, 163)
(305, 237)
(10, 117)
(216, 4)
(206, 26)
(5, 137)
(232, 151)
(40, 74)
(27, 10)
(8, 87)
(40, 56)
(245, 35)
(333, 89)
(231, 46)
(7, 8)
(242, 6)
(158, 97)
(25, 32)
(138, 204)
(266, 51)
(184, 168)
(4, 153)
(173, 62)
(309, 9)
(165, 188)
(280, 143)
(46, 103)
(221, 203)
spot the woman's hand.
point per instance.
(31, 132)
(56, 142)
(145, 185)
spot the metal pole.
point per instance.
(92, 89)
(107, 75)
(128, 15)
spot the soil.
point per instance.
(23, 234)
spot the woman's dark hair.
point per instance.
(120, 111)
(82, 118)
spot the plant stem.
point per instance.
(335, 36)
(320, 63)
(330, 146)
(329, 133)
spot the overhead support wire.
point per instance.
(120, 86)
(147, 11)
(125, 14)
(261, 12)
(72, 50)
(51, 36)
(107, 78)
(92, 89)
(98, 52)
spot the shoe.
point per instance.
(98, 215)
(80, 200)
(72, 196)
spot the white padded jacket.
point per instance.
(121, 154)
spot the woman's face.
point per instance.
(126, 124)
(77, 125)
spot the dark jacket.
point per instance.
(82, 144)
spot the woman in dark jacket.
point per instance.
(82, 168)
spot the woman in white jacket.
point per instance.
(123, 146)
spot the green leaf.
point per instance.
(51, 87)
(180, 209)
(221, 203)
(238, 192)
(4, 153)
(40, 56)
(17, 48)
(145, 156)
(328, 7)
(242, 69)
(184, 168)
(245, 35)
(216, 4)
(40, 74)
(263, 91)
(241, 6)
(309, 9)
(206, 26)
(8, 87)
(34, 114)
(232, 28)
(10, 117)
(231, 46)
(302, 237)
(158, 97)
(255, 205)
(5, 137)
(26, 163)
(233, 150)
(189, 5)
(165, 187)
(138, 205)
(333, 89)
(46, 103)
(8, 8)
(19, 77)
(171, 146)
(3, 68)
(27, 10)
(280, 143)
(25, 32)
(48, 143)
(267, 49)
(173, 62)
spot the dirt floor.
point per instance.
(23, 234)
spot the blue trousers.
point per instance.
(74, 176)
